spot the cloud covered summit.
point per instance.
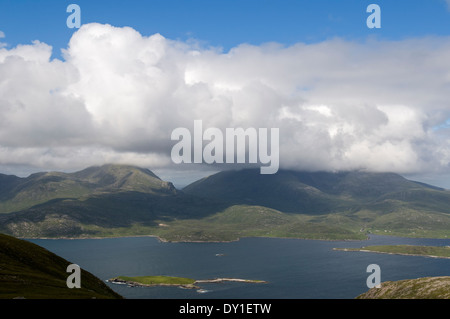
(118, 95)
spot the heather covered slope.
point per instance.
(421, 288)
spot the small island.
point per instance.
(408, 250)
(186, 283)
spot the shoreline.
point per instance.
(387, 253)
(219, 280)
(119, 281)
(162, 240)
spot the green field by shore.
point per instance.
(156, 280)
(427, 251)
(148, 281)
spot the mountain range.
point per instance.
(123, 200)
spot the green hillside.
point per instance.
(123, 178)
(22, 193)
(255, 221)
(98, 201)
(32, 272)
(359, 202)
(412, 250)
(121, 200)
(113, 211)
(315, 192)
(283, 191)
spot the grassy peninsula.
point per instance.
(154, 281)
(410, 250)
(150, 281)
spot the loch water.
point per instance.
(293, 268)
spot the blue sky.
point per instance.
(227, 23)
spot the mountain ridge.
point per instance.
(299, 192)
(22, 193)
(124, 200)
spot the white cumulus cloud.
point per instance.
(118, 95)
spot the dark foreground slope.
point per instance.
(32, 272)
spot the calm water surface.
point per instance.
(294, 268)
